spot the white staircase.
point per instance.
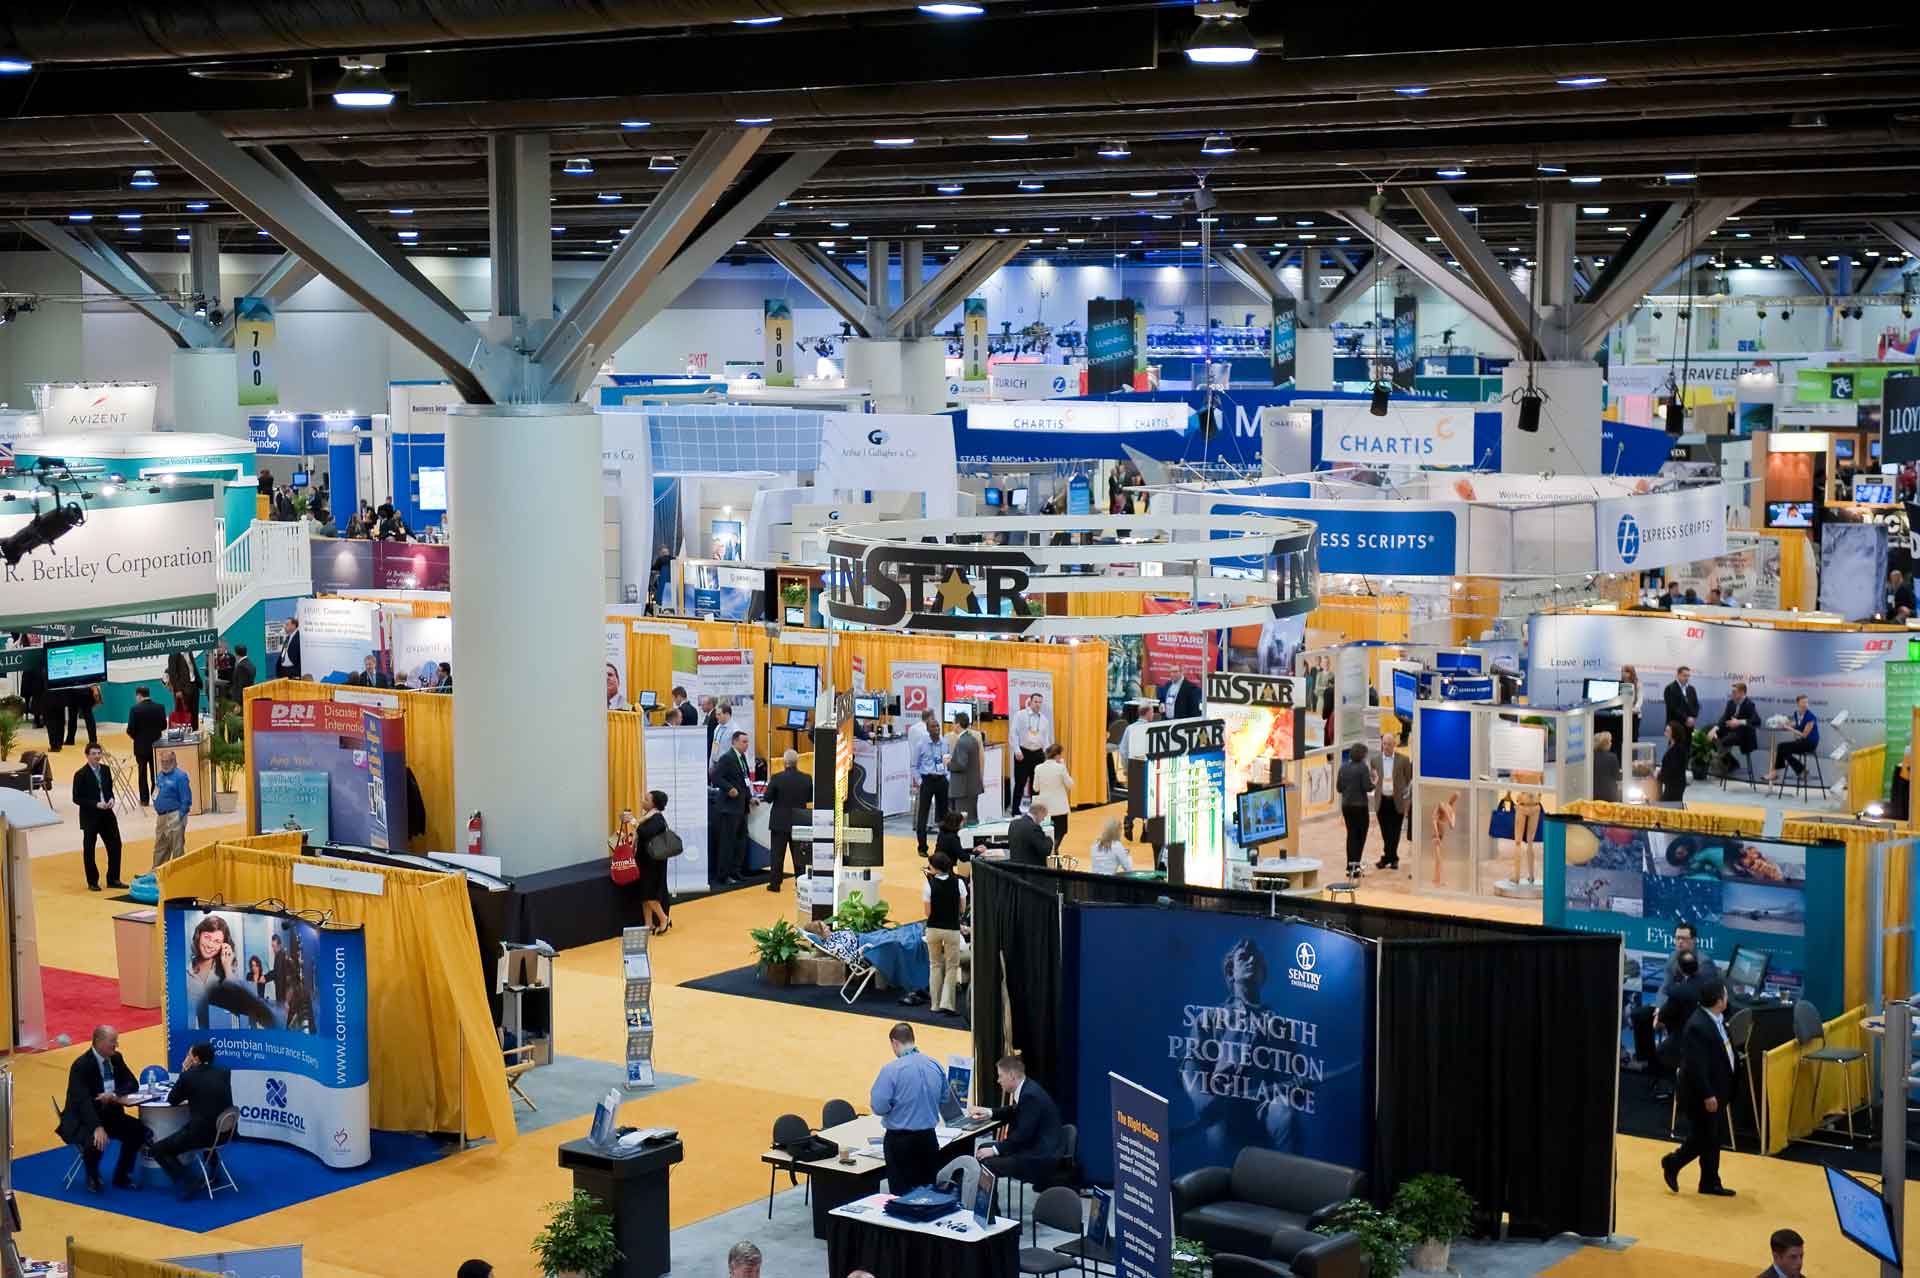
(268, 561)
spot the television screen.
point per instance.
(796, 616)
(1471, 662)
(1863, 1216)
(866, 707)
(952, 709)
(1873, 449)
(797, 720)
(76, 663)
(433, 487)
(1843, 448)
(301, 479)
(1873, 491)
(970, 683)
(991, 498)
(1599, 689)
(649, 699)
(1017, 499)
(1789, 514)
(794, 687)
(1263, 815)
(1747, 970)
(1406, 691)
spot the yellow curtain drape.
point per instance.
(1352, 618)
(1793, 1105)
(1665, 818)
(427, 1005)
(1896, 950)
(413, 607)
(1107, 603)
(1864, 769)
(429, 727)
(626, 762)
(97, 1262)
(1797, 577)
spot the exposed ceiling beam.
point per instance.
(121, 276)
(807, 267)
(1430, 269)
(279, 282)
(1689, 235)
(1518, 318)
(1899, 233)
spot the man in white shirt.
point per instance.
(1134, 745)
(1031, 732)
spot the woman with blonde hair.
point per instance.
(1110, 853)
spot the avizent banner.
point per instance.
(121, 407)
(1411, 434)
(136, 553)
(284, 1003)
(1681, 526)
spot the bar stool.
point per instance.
(1799, 779)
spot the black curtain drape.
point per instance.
(1018, 978)
(1498, 1064)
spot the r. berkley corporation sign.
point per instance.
(123, 559)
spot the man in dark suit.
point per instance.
(1682, 1000)
(206, 1090)
(146, 724)
(243, 676)
(733, 793)
(371, 675)
(1789, 1255)
(289, 667)
(683, 713)
(791, 794)
(1027, 840)
(1181, 696)
(93, 797)
(1682, 698)
(1705, 1088)
(98, 1082)
(1035, 1143)
(1737, 728)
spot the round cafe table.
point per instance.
(160, 1120)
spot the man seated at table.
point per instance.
(1738, 728)
(206, 1090)
(98, 1085)
(1034, 1143)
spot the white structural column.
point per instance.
(529, 722)
(206, 391)
(1568, 441)
(1313, 358)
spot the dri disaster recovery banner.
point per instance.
(778, 323)
(284, 1003)
(1258, 1031)
(330, 738)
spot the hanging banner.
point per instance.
(284, 1003)
(974, 341)
(1140, 377)
(1853, 570)
(1142, 1181)
(1033, 381)
(1405, 342)
(917, 684)
(1285, 340)
(777, 322)
(617, 695)
(1900, 420)
(726, 673)
(253, 338)
(1411, 434)
(889, 452)
(1636, 534)
(417, 641)
(1080, 416)
(1110, 345)
(1168, 656)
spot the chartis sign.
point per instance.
(1409, 435)
(928, 587)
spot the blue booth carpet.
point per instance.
(270, 1175)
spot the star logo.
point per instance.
(954, 592)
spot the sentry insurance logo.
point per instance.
(1627, 539)
(1301, 975)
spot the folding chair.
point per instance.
(212, 1160)
(515, 1068)
(79, 1159)
(845, 946)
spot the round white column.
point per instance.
(1568, 441)
(206, 392)
(923, 375)
(1313, 359)
(876, 366)
(529, 718)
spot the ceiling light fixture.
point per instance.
(753, 121)
(363, 83)
(1595, 210)
(1551, 168)
(1217, 144)
(405, 235)
(1581, 81)
(80, 217)
(893, 141)
(144, 179)
(954, 10)
(1116, 149)
(636, 124)
(1680, 177)
(662, 164)
(1006, 137)
(1031, 185)
(757, 22)
(198, 206)
(950, 188)
(1450, 173)
(578, 166)
(1412, 91)
(608, 197)
(1585, 181)
(14, 64)
(127, 216)
(1221, 39)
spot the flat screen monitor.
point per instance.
(1873, 449)
(433, 487)
(649, 699)
(991, 498)
(1406, 691)
(951, 710)
(1863, 1216)
(1789, 514)
(1747, 970)
(977, 684)
(301, 479)
(866, 707)
(797, 720)
(1470, 662)
(1263, 816)
(1843, 450)
(1875, 490)
(795, 616)
(1017, 499)
(792, 687)
(1599, 689)
(76, 663)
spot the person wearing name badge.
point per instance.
(1035, 1141)
(1031, 734)
(929, 755)
(172, 801)
(906, 1096)
(730, 772)
(93, 797)
(964, 783)
(99, 1085)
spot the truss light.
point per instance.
(1217, 144)
(757, 22)
(1680, 177)
(578, 166)
(185, 237)
(1581, 81)
(893, 141)
(662, 164)
(1551, 168)
(14, 64)
(198, 206)
(934, 226)
(636, 124)
(1031, 185)
(1007, 137)
(1221, 39)
(1412, 91)
(405, 235)
(1455, 172)
(1585, 181)
(362, 82)
(752, 121)
(954, 10)
(1595, 210)
(950, 188)
(143, 179)
(42, 530)
(608, 197)
(128, 216)
(80, 216)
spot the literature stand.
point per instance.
(638, 966)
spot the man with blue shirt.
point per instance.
(929, 773)
(906, 1096)
(172, 800)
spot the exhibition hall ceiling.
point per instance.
(1079, 125)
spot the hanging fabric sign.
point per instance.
(778, 324)
(974, 343)
(253, 338)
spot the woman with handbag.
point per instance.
(651, 887)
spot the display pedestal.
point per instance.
(1567, 442)
(636, 1191)
(1313, 359)
(1531, 890)
(206, 392)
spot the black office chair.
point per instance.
(1809, 1028)
(786, 1129)
(1066, 1173)
(836, 1112)
(1087, 1251)
(1056, 1208)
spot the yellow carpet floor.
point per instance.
(754, 1060)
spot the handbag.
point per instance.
(623, 869)
(811, 1149)
(1500, 823)
(665, 846)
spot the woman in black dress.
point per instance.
(651, 887)
(1673, 764)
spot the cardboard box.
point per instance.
(814, 970)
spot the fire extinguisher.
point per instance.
(473, 834)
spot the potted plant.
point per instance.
(1190, 1259)
(1438, 1210)
(9, 733)
(1384, 1239)
(578, 1240)
(777, 946)
(1700, 755)
(857, 914)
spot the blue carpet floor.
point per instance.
(270, 1175)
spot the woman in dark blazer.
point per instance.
(1673, 764)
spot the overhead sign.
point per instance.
(1081, 416)
(974, 340)
(1406, 312)
(1239, 689)
(1033, 381)
(253, 337)
(71, 408)
(1285, 341)
(1411, 434)
(1376, 538)
(889, 452)
(928, 587)
(1185, 736)
(1635, 534)
(777, 320)
(136, 553)
(1900, 420)
(1110, 344)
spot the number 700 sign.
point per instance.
(253, 334)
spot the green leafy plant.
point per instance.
(793, 593)
(14, 704)
(9, 732)
(1191, 1259)
(578, 1238)
(227, 757)
(857, 915)
(1436, 1208)
(777, 944)
(1383, 1236)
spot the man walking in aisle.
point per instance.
(93, 797)
(1396, 799)
(172, 801)
(1705, 1088)
(1031, 732)
(146, 724)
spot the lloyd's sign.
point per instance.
(1900, 420)
(1411, 434)
(928, 587)
(1683, 526)
(73, 407)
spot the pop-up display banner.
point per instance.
(298, 1052)
(331, 738)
